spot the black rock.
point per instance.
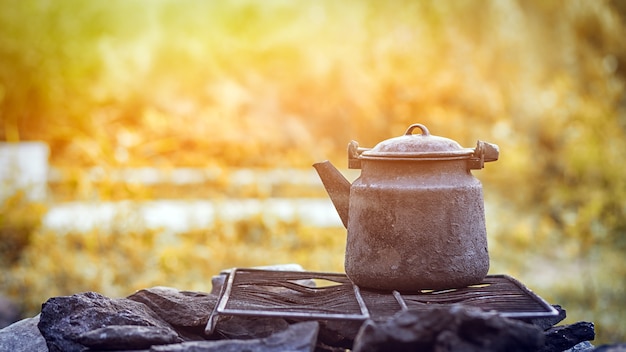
(451, 328)
(339, 333)
(560, 338)
(65, 319)
(22, 336)
(179, 308)
(548, 322)
(244, 328)
(217, 282)
(127, 337)
(9, 312)
(300, 337)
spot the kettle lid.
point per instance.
(422, 146)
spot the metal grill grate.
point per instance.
(328, 296)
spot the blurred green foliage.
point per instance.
(19, 219)
(130, 258)
(283, 84)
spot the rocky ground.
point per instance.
(167, 319)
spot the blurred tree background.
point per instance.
(274, 84)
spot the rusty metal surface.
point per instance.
(288, 294)
(501, 293)
(415, 215)
(416, 226)
(422, 146)
(266, 293)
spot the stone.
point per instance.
(9, 312)
(64, 319)
(560, 338)
(240, 327)
(299, 337)
(584, 346)
(448, 328)
(568, 336)
(340, 333)
(127, 337)
(217, 282)
(23, 336)
(548, 322)
(179, 308)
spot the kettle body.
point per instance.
(422, 228)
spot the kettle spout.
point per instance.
(337, 187)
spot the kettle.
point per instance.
(415, 216)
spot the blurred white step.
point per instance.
(183, 215)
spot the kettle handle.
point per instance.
(409, 130)
(354, 151)
(484, 152)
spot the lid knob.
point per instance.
(409, 130)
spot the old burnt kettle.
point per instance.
(415, 215)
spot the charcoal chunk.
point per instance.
(451, 328)
(300, 337)
(548, 322)
(179, 308)
(65, 319)
(127, 337)
(560, 338)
